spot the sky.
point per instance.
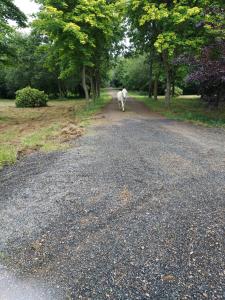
(27, 6)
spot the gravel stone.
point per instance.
(134, 210)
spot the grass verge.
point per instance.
(93, 107)
(25, 130)
(185, 108)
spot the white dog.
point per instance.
(122, 97)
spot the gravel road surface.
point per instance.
(134, 210)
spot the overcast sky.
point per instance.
(27, 6)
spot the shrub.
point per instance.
(29, 97)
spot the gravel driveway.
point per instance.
(134, 210)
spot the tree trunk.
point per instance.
(168, 88)
(168, 79)
(97, 83)
(156, 88)
(84, 84)
(93, 88)
(60, 89)
(150, 79)
(218, 97)
(98, 88)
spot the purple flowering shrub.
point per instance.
(208, 71)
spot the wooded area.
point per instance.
(75, 47)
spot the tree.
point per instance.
(175, 29)
(82, 33)
(209, 72)
(34, 64)
(207, 69)
(8, 11)
(27, 66)
(132, 73)
(142, 39)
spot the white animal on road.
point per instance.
(122, 97)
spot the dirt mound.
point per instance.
(71, 131)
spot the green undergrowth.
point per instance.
(7, 154)
(185, 108)
(93, 107)
(44, 139)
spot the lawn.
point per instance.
(185, 108)
(25, 130)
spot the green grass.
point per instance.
(7, 102)
(92, 108)
(44, 139)
(185, 108)
(26, 130)
(7, 154)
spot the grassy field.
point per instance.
(25, 130)
(185, 108)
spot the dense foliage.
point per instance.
(132, 73)
(30, 67)
(82, 34)
(209, 72)
(29, 97)
(8, 11)
(208, 68)
(168, 29)
(174, 46)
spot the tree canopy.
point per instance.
(172, 28)
(83, 33)
(73, 44)
(8, 12)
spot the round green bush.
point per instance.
(29, 97)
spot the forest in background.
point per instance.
(75, 47)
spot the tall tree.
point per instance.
(8, 11)
(82, 32)
(176, 29)
(27, 66)
(207, 69)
